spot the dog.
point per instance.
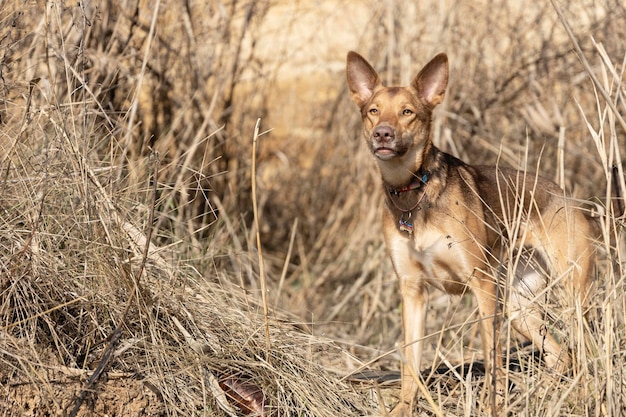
(450, 225)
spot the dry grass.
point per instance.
(131, 122)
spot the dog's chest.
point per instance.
(433, 256)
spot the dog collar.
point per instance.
(405, 223)
(417, 183)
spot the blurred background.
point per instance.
(103, 89)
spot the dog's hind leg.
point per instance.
(560, 265)
(528, 305)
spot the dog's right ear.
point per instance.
(362, 78)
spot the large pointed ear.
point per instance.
(432, 80)
(362, 78)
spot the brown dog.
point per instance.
(450, 225)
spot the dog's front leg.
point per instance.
(486, 292)
(414, 306)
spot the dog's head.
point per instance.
(397, 120)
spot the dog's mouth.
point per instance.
(384, 153)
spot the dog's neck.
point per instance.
(408, 171)
(420, 189)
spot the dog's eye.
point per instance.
(407, 112)
(373, 111)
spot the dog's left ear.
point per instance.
(432, 80)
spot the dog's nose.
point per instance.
(384, 134)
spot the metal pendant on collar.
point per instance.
(406, 225)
